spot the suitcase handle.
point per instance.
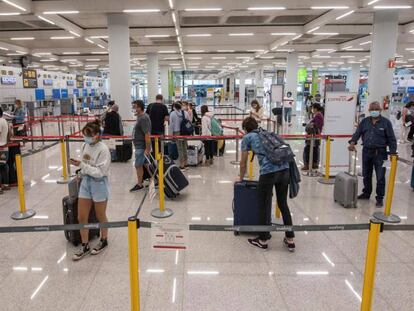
(352, 162)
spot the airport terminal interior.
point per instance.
(191, 233)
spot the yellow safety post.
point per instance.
(64, 179)
(387, 216)
(277, 211)
(250, 165)
(160, 212)
(370, 265)
(328, 157)
(23, 213)
(133, 262)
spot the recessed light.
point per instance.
(157, 36)
(22, 38)
(167, 52)
(344, 15)
(60, 12)
(392, 7)
(271, 8)
(325, 33)
(43, 53)
(62, 38)
(141, 11)
(347, 56)
(283, 33)
(194, 58)
(225, 51)
(218, 57)
(100, 52)
(10, 14)
(74, 33)
(333, 7)
(45, 19)
(93, 59)
(202, 9)
(89, 40)
(313, 29)
(195, 51)
(241, 34)
(101, 46)
(199, 35)
(99, 37)
(372, 2)
(71, 53)
(15, 5)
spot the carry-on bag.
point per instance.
(245, 204)
(346, 185)
(123, 152)
(195, 152)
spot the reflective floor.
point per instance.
(218, 271)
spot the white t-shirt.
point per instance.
(288, 102)
(4, 130)
(206, 125)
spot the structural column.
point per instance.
(353, 78)
(119, 67)
(164, 75)
(292, 76)
(383, 48)
(242, 88)
(152, 76)
(259, 77)
(231, 88)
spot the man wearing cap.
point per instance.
(377, 134)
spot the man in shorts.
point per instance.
(142, 141)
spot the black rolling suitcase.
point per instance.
(123, 152)
(245, 204)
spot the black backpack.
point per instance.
(186, 127)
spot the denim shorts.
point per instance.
(95, 189)
(139, 157)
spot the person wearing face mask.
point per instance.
(377, 134)
(94, 188)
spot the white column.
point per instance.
(164, 81)
(231, 88)
(242, 88)
(352, 82)
(292, 76)
(383, 48)
(259, 77)
(152, 76)
(224, 88)
(119, 67)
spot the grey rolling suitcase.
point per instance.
(346, 185)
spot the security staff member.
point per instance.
(377, 134)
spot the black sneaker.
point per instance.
(100, 247)
(136, 188)
(363, 196)
(257, 243)
(83, 251)
(291, 246)
(379, 203)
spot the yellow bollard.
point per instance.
(328, 157)
(370, 265)
(250, 165)
(157, 149)
(23, 213)
(64, 179)
(387, 216)
(277, 211)
(133, 262)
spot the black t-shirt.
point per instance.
(157, 113)
(112, 123)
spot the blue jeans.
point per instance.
(288, 114)
(373, 159)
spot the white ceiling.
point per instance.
(213, 51)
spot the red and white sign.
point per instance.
(169, 236)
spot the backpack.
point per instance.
(276, 149)
(398, 116)
(216, 128)
(186, 127)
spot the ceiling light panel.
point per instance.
(60, 12)
(14, 5)
(141, 11)
(202, 9)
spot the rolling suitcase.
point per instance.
(123, 152)
(70, 216)
(245, 204)
(195, 152)
(346, 185)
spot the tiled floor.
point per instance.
(219, 271)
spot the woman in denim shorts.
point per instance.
(94, 188)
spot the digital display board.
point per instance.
(76, 92)
(56, 94)
(40, 94)
(29, 78)
(70, 83)
(8, 80)
(64, 93)
(47, 82)
(85, 92)
(79, 81)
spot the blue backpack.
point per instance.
(276, 149)
(186, 127)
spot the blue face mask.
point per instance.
(88, 140)
(374, 113)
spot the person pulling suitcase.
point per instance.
(272, 174)
(94, 188)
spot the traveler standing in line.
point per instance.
(108, 109)
(206, 131)
(4, 140)
(314, 127)
(257, 111)
(410, 118)
(113, 122)
(94, 188)
(142, 141)
(377, 134)
(271, 175)
(288, 103)
(195, 120)
(176, 117)
(19, 119)
(158, 114)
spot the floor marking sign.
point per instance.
(169, 236)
